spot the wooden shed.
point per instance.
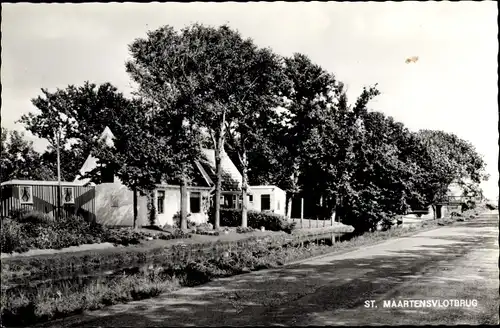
(42, 196)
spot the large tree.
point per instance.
(254, 115)
(200, 73)
(75, 117)
(449, 160)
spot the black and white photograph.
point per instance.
(230, 164)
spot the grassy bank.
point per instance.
(30, 230)
(51, 302)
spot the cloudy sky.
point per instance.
(452, 86)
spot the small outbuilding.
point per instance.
(42, 196)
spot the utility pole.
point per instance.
(59, 190)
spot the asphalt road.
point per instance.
(458, 262)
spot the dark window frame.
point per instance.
(160, 201)
(197, 207)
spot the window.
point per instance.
(26, 194)
(195, 202)
(68, 195)
(160, 201)
(265, 202)
(278, 205)
(250, 198)
(234, 201)
(107, 175)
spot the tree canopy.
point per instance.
(284, 120)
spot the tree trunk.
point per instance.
(288, 205)
(135, 208)
(184, 211)
(244, 189)
(219, 147)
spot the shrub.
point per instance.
(244, 230)
(491, 207)
(16, 214)
(176, 234)
(33, 217)
(270, 221)
(177, 220)
(12, 237)
(470, 205)
(453, 214)
(204, 227)
(207, 233)
(33, 230)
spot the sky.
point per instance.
(451, 87)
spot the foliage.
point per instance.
(78, 115)
(34, 230)
(207, 78)
(491, 207)
(51, 301)
(244, 229)
(19, 160)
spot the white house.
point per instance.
(267, 198)
(114, 204)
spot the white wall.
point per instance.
(277, 198)
(172, 205)
(114, 205)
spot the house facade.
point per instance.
(114, 202)
(267, 198)
(42, 196)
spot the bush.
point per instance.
(176, 234)
(204, 227)
(34, 230)
(491, 207)
(244, 230)
(270, 221)
(470, 205)
(455, 214)
(208, 233)
(177, 221)
(12, 237)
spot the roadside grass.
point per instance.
(49, 302)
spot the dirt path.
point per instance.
(458, 262)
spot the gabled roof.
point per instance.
(91, 161)
(231, 177)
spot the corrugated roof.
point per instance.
(41, 183)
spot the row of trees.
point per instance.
(285, 120)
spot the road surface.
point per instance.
(458, 262)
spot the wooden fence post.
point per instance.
(301, 212)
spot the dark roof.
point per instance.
(231, 177)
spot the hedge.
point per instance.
(256, 220)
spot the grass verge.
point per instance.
(49, 303)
